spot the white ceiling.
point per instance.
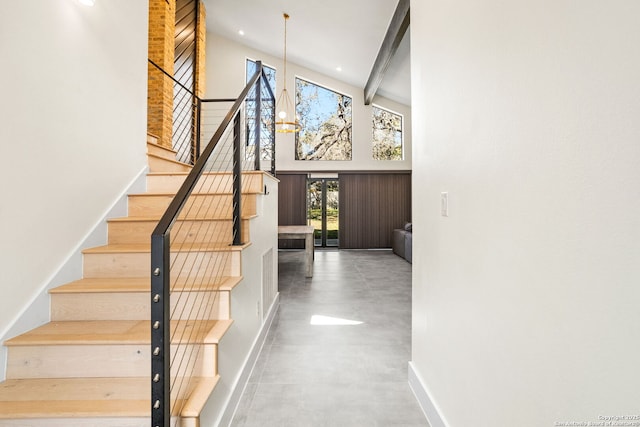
(321, 35)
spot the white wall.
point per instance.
(239, 347)
(226, 79)
(526, 297)
(73, 111)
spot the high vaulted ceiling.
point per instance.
(321, 35)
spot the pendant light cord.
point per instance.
(286, 17)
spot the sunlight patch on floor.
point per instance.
(319, 320)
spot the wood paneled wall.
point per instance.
(292, 205)
(371, 206)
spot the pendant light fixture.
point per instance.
(287, 121)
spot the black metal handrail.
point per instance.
(161, 280)
(183, 110)
(163, 71)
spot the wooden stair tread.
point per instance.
(177, 162)
(205, 173)
(138, 284)
(161, 147)
(146, 248)
(155, 219)
(98, 332)
(166, 193)
(91, 397)
(171, 179)
(153, 136)
(193, 194)
(201, 390)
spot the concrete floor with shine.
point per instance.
(337, 353)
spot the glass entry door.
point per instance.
(322, 210)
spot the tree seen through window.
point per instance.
(387, 135)
(325, 116)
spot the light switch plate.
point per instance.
(444, 204)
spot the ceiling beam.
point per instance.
(395, 33)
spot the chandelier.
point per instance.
(287, 121)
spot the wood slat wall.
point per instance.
(292, 205)
(185, 42)
(371, 206)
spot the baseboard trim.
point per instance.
(426, 402)
(249, 364)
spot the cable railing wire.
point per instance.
(195, 212)
(190, 254)
(186, 360)
(183, 124)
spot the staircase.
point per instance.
(90, 365)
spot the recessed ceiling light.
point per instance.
(338, 68)
(241, 32)
(87, 2)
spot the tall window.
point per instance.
(325, 116)
(387, 135)
(265, 149)
(269, 72)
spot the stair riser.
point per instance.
(103, 360)
(206, 264)
(160, 151)
(251, 183)
(219, 206)
(160, 164)
(121, 232)
(136, 306)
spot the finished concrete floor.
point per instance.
(338, 349)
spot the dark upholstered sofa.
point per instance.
(401, 241)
